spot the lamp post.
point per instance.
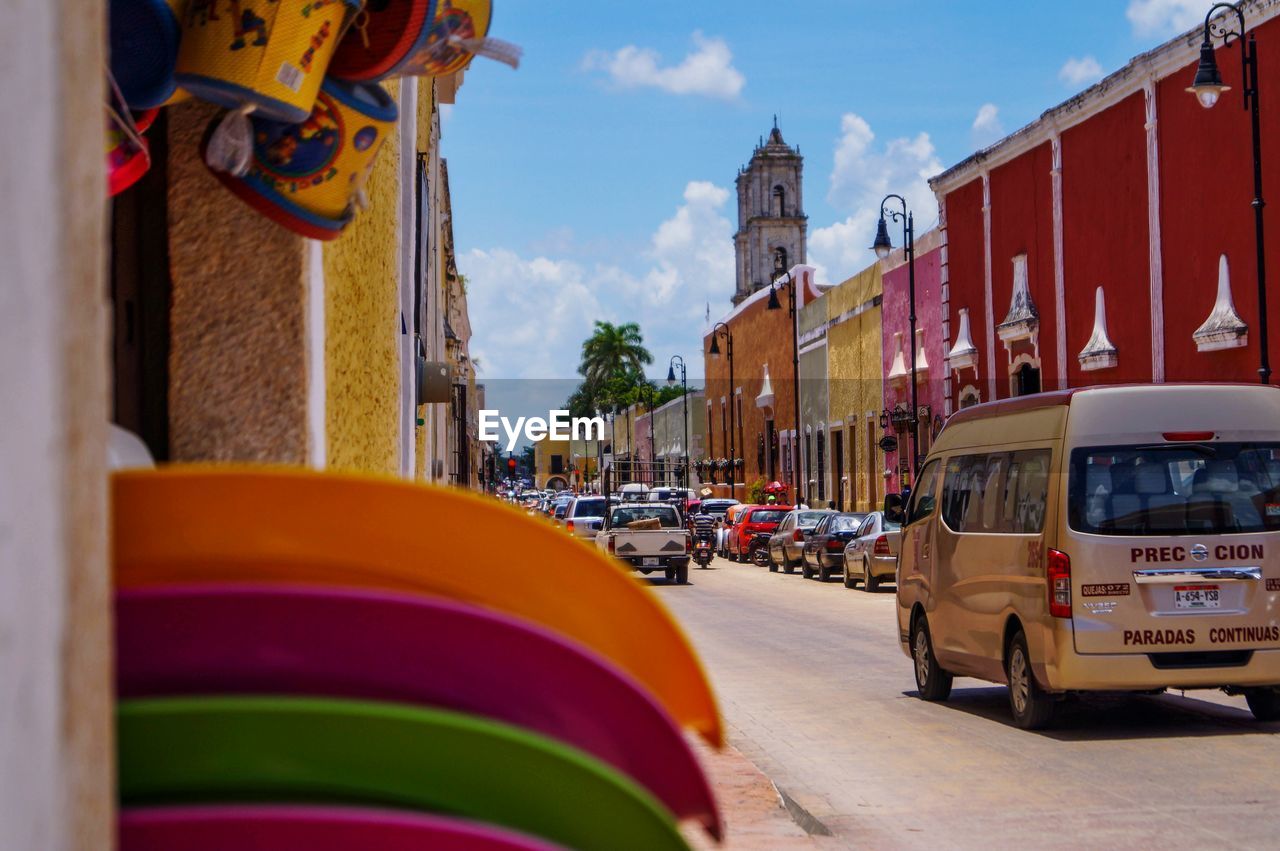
(774, 304)
(714, 352)
(1207, 86)
(882, 246)
(684, 386)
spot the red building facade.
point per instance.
(1131, 189)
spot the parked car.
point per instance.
(559, 508)
(648, 536)
(752, 520)
(731, 514)
(786, 544)
(585, 516)
(872, 555)
(824, 548)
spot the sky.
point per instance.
(596, 181)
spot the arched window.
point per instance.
(780, 193)
(780, 259)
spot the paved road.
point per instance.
(817, 693)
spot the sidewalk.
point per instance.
(754, 817)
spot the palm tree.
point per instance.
(613, 351)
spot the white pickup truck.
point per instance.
(649, 537)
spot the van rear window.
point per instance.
(1182, 489)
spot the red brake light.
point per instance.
(568, 524)
(688, 543)
(1187, 436)
(881, 547)
(835, 544)
(1058, 572)
(612, 544)
(797, 536)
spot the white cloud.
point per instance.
(987, 127)
(531, 314)
(1079, 72)
(1165, 17)
(707, 71)
(863, 174)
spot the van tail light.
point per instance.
(797, 536)
(1187, 436)
(613, 545)
(1058, 572)
(568, 524)
(881, 547)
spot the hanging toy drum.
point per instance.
(128, 154)
(382, 39)
(143, 40)
(308, 176)
(268, 55)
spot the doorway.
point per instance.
(837, 457)
(872, 468)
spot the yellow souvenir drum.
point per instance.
(272, 54)
(445, 50)
(306, 176)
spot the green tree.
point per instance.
(614, 351)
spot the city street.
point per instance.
(817, 693)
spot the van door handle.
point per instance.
(1182, 574)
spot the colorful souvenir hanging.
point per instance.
(268, 57)
(128, 156)
(383, 37)
(309, 176)
(433, 38)
(144, 37)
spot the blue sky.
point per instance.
(596, 182)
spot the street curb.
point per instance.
(807, 821)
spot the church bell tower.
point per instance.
(772, 226)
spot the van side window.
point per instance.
(924, 499)
(997, 493)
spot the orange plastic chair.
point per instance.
(221, 524)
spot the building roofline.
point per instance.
(1146, 68)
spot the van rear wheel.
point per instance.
(1032, 706)
(1264, 703)
(932, 682)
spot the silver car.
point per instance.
(872, 555)
(585, 516)
(786, 544)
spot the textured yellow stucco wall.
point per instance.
(854, 369)
(238, 356)
(362, 319)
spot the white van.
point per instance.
(1100, 539)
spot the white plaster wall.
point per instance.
(56, 775)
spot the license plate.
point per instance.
(1195, 596)
(653, 562)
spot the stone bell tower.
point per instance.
(771, 222)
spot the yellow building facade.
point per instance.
(855, 390)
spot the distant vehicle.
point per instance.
(585, 516)
(872, 555)
(648, 536)
(753, 520)
(559, 507)
(824, 548)
(732, 512)
(786, 544)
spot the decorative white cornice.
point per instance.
(1099, 352)
(1224, 329)
(922, 362)
(766, 398)
(1022, 322)
(964, 353)
(898, 369)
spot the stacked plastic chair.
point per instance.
(303, 664)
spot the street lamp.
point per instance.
(779, 269)
(714, 352)
(1207, 87)
(882, 246)
(684, 384)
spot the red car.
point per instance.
(756, 520)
